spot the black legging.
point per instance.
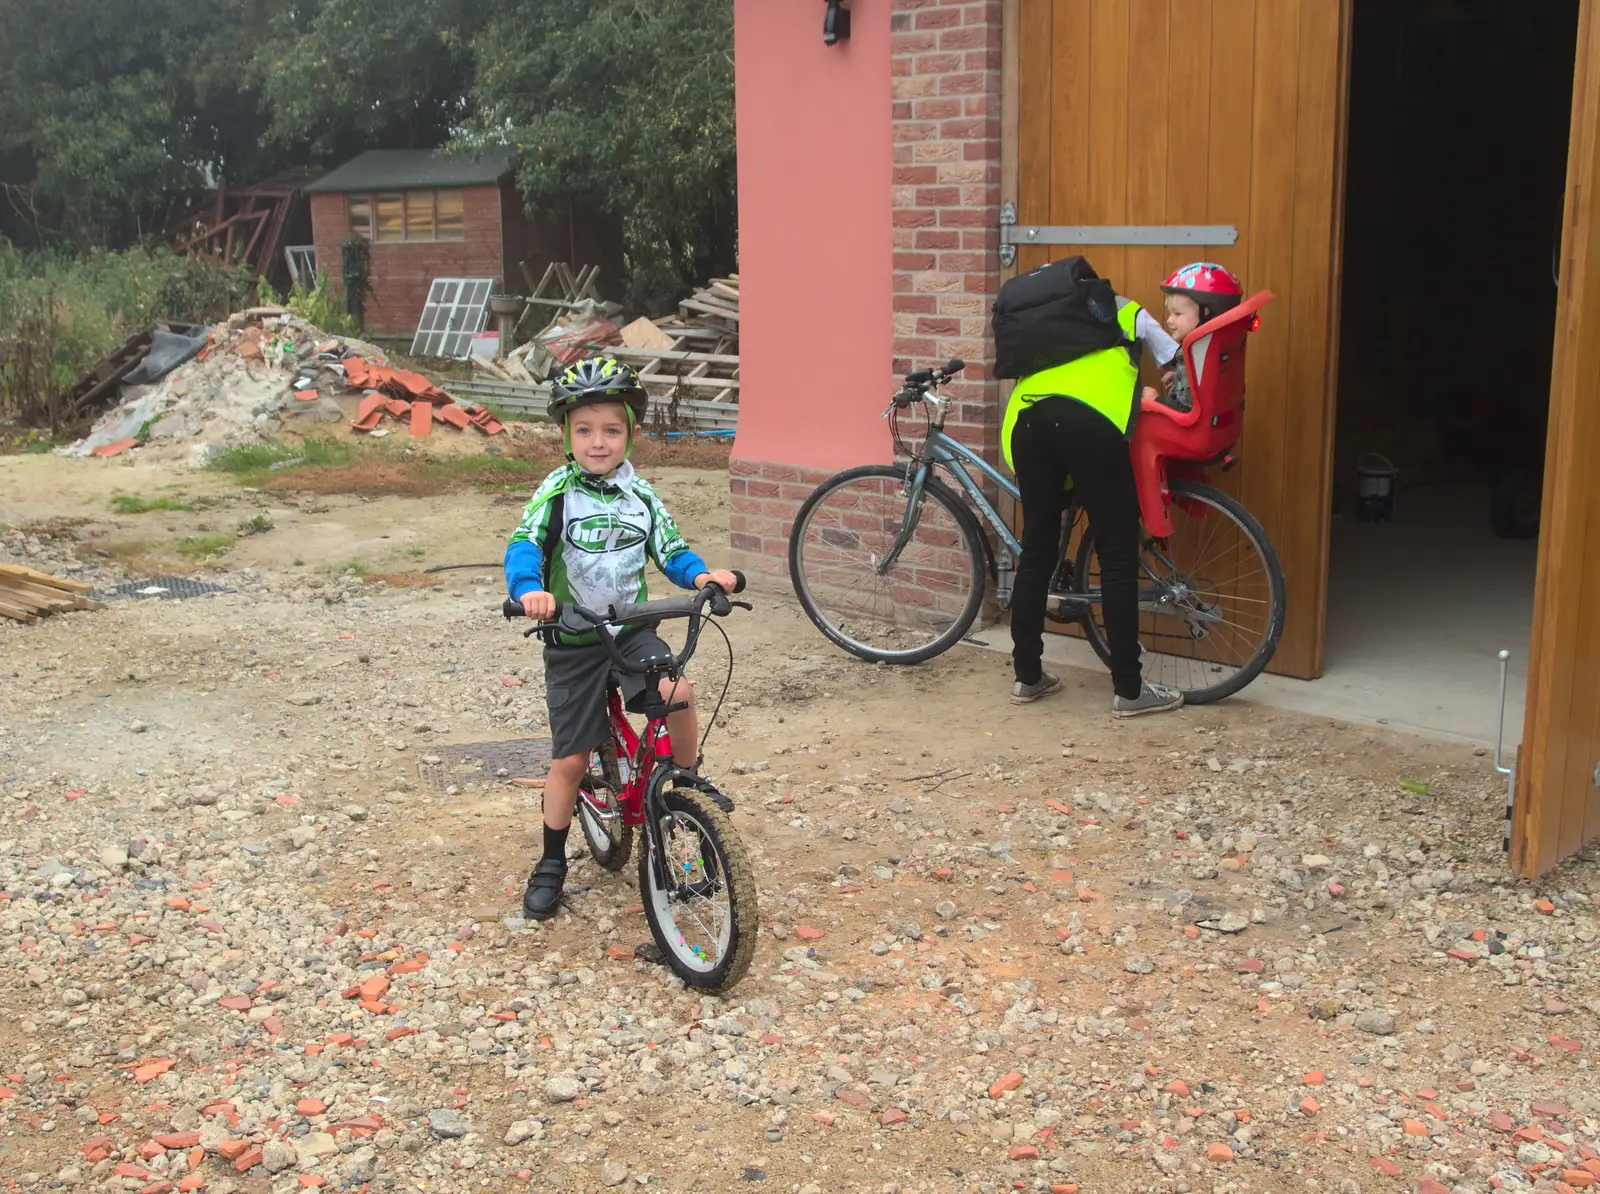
(1053, 439)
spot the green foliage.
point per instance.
(252, 463)
(111, 106)
(203, 547)
(322, 306)
(355, 254)
(60, 313)
(629, 102)
(339, 75)
(135, 504)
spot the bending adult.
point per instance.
(1073, 421)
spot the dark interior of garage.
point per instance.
(1459, 115)
(1455, 175)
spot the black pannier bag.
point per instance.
(1052, 315)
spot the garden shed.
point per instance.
(430, 215)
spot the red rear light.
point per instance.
(1255, 323)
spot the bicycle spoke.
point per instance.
(1216, 594)
(839, 549)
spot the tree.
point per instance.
(629, 102)
(339, 76)
(112, 106)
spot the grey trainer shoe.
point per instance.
(1024, 694)
(1152, 698)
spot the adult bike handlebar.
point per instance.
(576, 619)
(918, 383)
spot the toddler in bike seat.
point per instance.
(1196, 294)
(586, 537)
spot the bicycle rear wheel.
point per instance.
(703, 914)
(600, 812)
(1211, 598)
(909, 611)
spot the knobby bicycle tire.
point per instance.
(718, 834)
(972, 539)
(1094, 631)
(609, 851)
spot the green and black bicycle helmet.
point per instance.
(594, 380)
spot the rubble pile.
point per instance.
(261, 370)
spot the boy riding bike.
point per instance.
(585, 537)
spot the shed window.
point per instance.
(419, 215)
(361, 216)
(391, 219)
(452, 216)
(409, 216)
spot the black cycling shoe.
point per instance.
(543, 894)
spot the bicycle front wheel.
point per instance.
(702, 904)
(1211, 597)
(883, 606)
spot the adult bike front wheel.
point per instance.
(701, 900)
(600, 813)
(1211, 597)
(881, 605)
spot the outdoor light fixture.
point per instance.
(836, 24)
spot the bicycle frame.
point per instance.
(940, 449)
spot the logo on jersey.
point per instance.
(600, 533)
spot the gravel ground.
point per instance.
(258, 926)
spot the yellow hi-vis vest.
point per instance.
(1107, 380)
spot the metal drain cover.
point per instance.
(520, 758)
(171, 588)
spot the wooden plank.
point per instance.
(715, 309)
(1188, 121)
(17, 613)
(1108, 131)
(1228, 166)
(60, 582)
(1549, 794)
(1010, 190)
(1149, 26)
(672, 379)
(45, 594)
(1069, 125)
(1313, 314)
(19, 595)
(652, 354)
(1270, 265)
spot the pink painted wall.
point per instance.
(816, 337)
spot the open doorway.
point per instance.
(1458, 123)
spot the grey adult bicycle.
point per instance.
(892, 565)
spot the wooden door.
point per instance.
(1558, 768)
(1163, 112)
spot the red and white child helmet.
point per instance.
(1210, 285)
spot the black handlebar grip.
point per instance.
(738, 581)
(513, 609)
(954, 365)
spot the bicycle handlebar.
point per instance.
(576, 619)
(918, 383)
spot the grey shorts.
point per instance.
(575, 682)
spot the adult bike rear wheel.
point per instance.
(600, 813)
(704, 914)
(1211, 597)
(919, 606)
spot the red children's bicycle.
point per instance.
(695, 882)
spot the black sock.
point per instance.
(555, 843)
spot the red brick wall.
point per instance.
(946, 62)
(402, 272)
